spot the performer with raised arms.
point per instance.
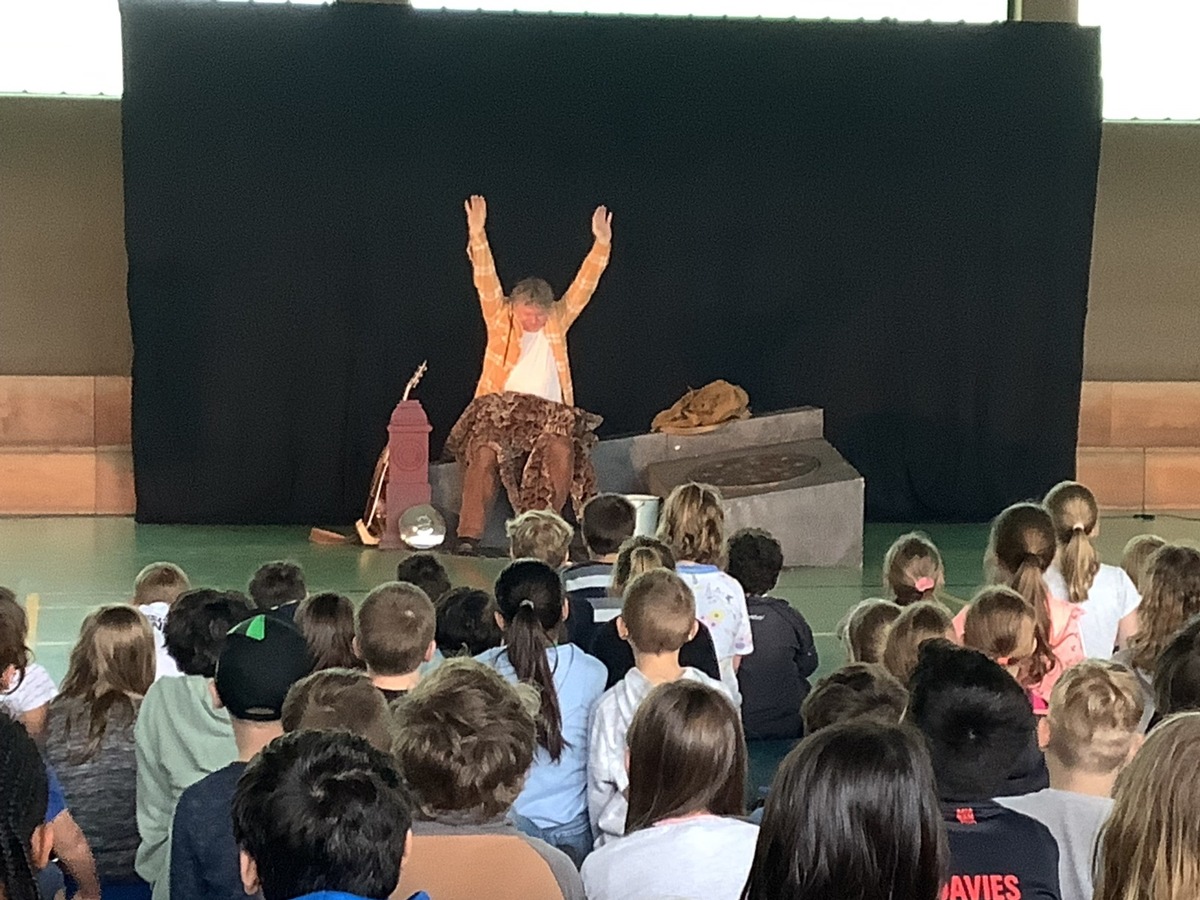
(522, 429)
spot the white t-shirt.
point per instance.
(1112, 597)
(535, 372)
(1074, 820)
(721, 605)
(35, 691)
(704, 858)
(157, 614)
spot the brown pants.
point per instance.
(481, 481)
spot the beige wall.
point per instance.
(62, 254)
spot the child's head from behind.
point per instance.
(1137, 554)
(692, 524)
(608, 521)
(464, 739)
(321, 811)
(466, 622)
(912, 569)
(864, 630)
(755, 560)
(425, 571)
(197, 626)
(922, 621)
(686, 755)
(1177, 673)
(14, 654)
(159, 582)
(853, 812)
(1021, 547)
(855, 691)
(1094, 718)
(658, 613)
(1170, 598)
(339, 700)
(396, 625)
(113, 659)
(1002, 625)
(1076, 517)
(539, 534)
(277, 582)
(23, 796)
(976, 719)
(637, 556)
(327, 622)
(261, 659)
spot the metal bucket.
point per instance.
(647, 507)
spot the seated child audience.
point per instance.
(155, 589)
(687, 783)
(917, 623)
(657, 617)
(1001, 625)
(321, 815)
(553, 804)
(260, 661)
(977, 721)
(26, 833)
(327, 623)
(425, 571)
(1136, 554)
(395, 636)
(180, 734)
(1149, 847)
(912, 570)
(26, 688)
(774, 678)
(90, 743)
(853, 812)
(1172, 597)
(608, 521)
(1089, 736)
(855, 691)
(466, 622)
(338, 700)
(1177, 674)
(464, 739)
(277, 588)
(1106, 594)
(693, 526)
(864, 630)
(638, 555)
(543, 535)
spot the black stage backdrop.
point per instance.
(889, 221)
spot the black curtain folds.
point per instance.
(889, 221)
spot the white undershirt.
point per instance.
(535, 372)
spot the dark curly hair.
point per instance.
(755, 560)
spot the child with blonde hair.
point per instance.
(155, 590)
(922, 621)
(864, 630)
(1106, 594)
(1136, 554)
(693, 526)
(1002, 625)
(542, 535)
(1089, 735)
(912, 569)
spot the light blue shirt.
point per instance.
(555, 793)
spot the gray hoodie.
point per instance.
(608, 779)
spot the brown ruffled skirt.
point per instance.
(516, 426)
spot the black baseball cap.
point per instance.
(262, 658)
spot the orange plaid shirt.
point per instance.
(503, 333)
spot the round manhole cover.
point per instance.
(763, 469)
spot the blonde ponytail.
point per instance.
(1074, 512)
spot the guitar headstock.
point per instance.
(416, 378)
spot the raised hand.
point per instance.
(602, 225)
(476, 208)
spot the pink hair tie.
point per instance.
(925, 584)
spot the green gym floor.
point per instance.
(62, 567)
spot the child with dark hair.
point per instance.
(321, 815)
(261, 659)
(687, 783)
(608, 520)
(854, 813)
(466, 622)
(155, 590)
(181, 735)
(855, 691)
(531, 606)
(26, 688)
(977, 720)
(338, 700)
(278, 587)
(774, 678)
(26, 835)
(464, 739)
(1177, 674)
(396, 625)
(425, 571)
(327, 622)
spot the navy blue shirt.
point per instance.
(999, 854)
(774, 678)
(204, 855)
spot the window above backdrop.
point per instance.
(1150, 69)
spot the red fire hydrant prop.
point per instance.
(408, 467)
